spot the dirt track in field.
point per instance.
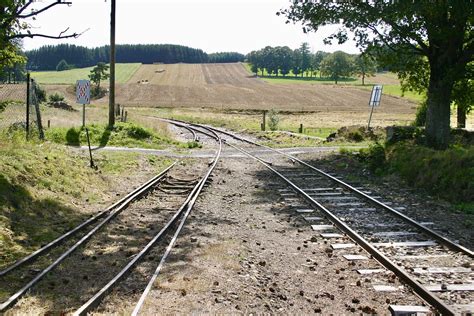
(230, 86)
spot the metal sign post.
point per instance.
(83, 96)
(374, 100)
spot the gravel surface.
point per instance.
(245, 249)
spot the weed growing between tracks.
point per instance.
(46, 189)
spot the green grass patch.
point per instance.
(447, 174)
(34, 178)
(121, 135)
(123, 73)
(396, 91)
(42, 184)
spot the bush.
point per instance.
(355, 136)
(374, 156)
(273, 120)
(40, 93)
(62, 65)
(449, 173)
(420, 119)
(98, 92)
(56, 97)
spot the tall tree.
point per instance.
(99, 73)
(305, 57)
(337, 66)
(364, 66)
(14, 26)
(463, 96)
(442, 31)
(285, 60)
(316, 60)
(297, 61)
(14, 23)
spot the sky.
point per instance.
(211, 25)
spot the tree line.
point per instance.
(282, 60)
(49, 57)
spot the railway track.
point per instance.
(121, 239)
(438, 270)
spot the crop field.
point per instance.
(123, 74)
(230, 86)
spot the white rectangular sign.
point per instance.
(376, 96)
(83, 92)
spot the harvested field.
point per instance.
(230, 86)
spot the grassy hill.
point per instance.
(123, 72)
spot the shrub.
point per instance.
(98, 92)
(56, 97)
(40, 93)
(449, 173)
(355, 136)
(138, 132)
(273, 120)
(420, 118)
(374, 156)
(62, 65)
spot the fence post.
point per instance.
(301, 128)
(264, 118)
(38, 115)
(27, 105)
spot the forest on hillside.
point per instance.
(49, 57)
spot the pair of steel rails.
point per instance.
(430, 298)
(101, 219)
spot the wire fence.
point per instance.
(19, 108)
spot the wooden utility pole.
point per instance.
(112, 66)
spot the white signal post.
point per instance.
(83, 96)
(375, 97)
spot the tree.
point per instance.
(297, 58)
(463, 96)
(62, 65)
(253, 59)
(12, 62)
(305, 58)
(13, 17)
(364, 66)
(336, 66)
(316, 61)
(14, 27)
(99, 73)
(285, 61)
(441, 31)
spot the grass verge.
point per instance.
(121, 135)
(47, 189)
(447, 174)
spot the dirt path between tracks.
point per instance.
(245, 251)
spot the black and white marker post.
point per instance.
(83, 96)
(374, 100)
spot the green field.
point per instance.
(389, 89)
(123, 72)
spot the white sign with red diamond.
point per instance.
(83, 92)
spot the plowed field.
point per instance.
(231, 86)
